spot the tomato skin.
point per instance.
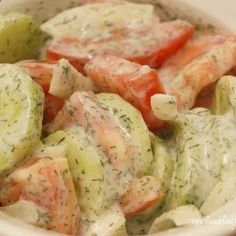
(41, 72)
(133, 82)
(52, 106)
(152, 46)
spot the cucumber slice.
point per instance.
(21, 110)
(89, 171)
(20, 38)
(131, 120)
(223, 192)
(99, 20)
(163, 164)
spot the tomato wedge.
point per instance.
(193, 49)
(141, 194)
(48, 184)
(41, 72)
(151, 47)
(200, 63)
(134, 82)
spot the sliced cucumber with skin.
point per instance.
(131, 120)
(21, 110)
(99, 20)
(88, 168)
(20, 37)
(163, 164)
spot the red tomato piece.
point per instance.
(200, 63)
(134, 82)
(47, 183)
(192, 50)
(41, 72)
(151, 47)
(141, 194)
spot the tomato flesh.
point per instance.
(134, 82)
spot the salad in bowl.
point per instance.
(117, 118)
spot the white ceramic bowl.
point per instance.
(190, 10)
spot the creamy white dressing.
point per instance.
(95, 21)
(205, 145)
(203, 150)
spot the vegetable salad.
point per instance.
(114, 122)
